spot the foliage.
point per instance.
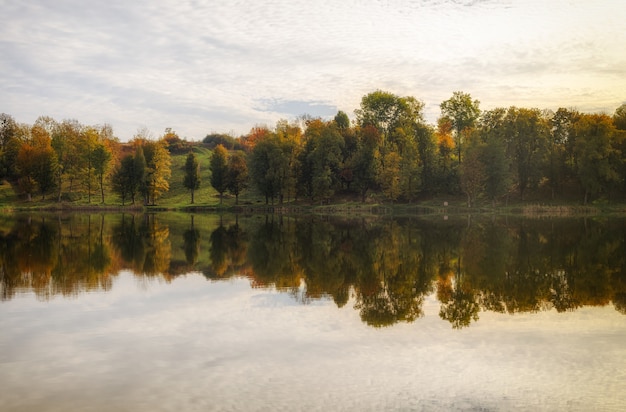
(388, 153)
(462, 112)
(237, 174)
(192, 174)
(219, 170)
(157, 169)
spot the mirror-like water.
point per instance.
(162, 312)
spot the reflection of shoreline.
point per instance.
(387, 267)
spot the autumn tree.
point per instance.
(66, 142)
(219, 170)
(36, 161)
(321, 160)
(191, 180)
(89, 140)
(157, 167)
(386, 111)
(237, 174)
(462, 112)
(101, 158)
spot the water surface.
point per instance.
(162, 312)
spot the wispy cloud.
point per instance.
(203, 66)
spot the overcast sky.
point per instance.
(226, 66)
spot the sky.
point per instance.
(203, 67)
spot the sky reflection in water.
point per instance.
(207, 340)
(195, 345)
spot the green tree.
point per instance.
(321, 160)
(219, 170)
(390, 176)
(386, 111)
(472, 171)
(364, 163)
(342, 120)
(101, 161)
(269, 162)
(555, 162)
(122, 178)
(45, 163)
(462, 112)
(8, 129)
(596, 153)
(89, 139)
(138, 175)
(192, 174)
(527, 134)
(237, 174)
(497, 165)
(619, 118)
(66, 142)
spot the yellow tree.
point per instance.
(158, 171)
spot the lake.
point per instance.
(167, 311)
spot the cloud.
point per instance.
(230, 65)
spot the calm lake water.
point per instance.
(179, 312)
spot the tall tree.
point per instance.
(462, 112)
(320, 160)
(387, 111)
(237, 174)
(342, 120)
(138, 175)
(66, 144)
(472, 173)
(157, 169)
(390, 176)
(364, 163)
(268, 161)
(101, 161)
(89, 139)
(219, 170)
(493, 154)
(619, 118)
(596, 152)
(192, 174)
(122, 178)
(527, 134)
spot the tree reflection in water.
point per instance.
(385, 267)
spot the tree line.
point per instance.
(68, 160)
(388, 151)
